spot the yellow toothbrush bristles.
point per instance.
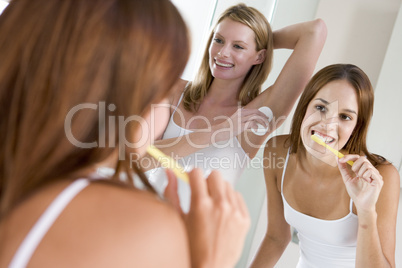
(168, 162)
(334, 151)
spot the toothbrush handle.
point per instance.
(339, 154)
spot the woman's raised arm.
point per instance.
(307, 41)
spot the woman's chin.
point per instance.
(324, 156)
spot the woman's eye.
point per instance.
(320, 108)
(238, 47)
(217, 40)
(345, 117)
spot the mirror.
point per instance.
(359, 32)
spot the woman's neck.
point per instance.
(224, 92)
(325, 167)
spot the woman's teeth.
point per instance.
(325, 139)
(223, 64)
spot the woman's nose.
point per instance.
(330, 122)
(224, 52)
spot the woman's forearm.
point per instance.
(369, 252)
(241, 120)
(269, 253)
(190, 143)
(289, 36)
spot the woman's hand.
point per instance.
(242, 120)
(217, 222)
(363, 182)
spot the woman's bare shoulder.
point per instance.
(389, 173)
(107, 225)
(137, 223)
(132, 200)
(275, 154)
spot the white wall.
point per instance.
(198, 16)
(385, 135)
(358, 32)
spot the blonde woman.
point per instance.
(209, 116)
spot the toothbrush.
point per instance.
(168, 162)
(334, 151)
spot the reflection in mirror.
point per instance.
(367, 35)
(361, 37)
(198, 16)
(201, 16)
(267, 9)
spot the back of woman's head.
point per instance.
(79, 55)
(251, 87)
(365, 98)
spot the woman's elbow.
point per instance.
(319, 28)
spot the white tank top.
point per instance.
(323, 243)
(32, 240)
(228, 157)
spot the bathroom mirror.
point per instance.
(361, 32)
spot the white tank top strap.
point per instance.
(46, 220)
(284, 169)
(351, 206)
(178, 103)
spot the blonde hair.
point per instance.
(256, 21)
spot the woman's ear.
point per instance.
(260, 56)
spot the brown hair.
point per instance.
(256, 21)
(58, 54)
(361, 83)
